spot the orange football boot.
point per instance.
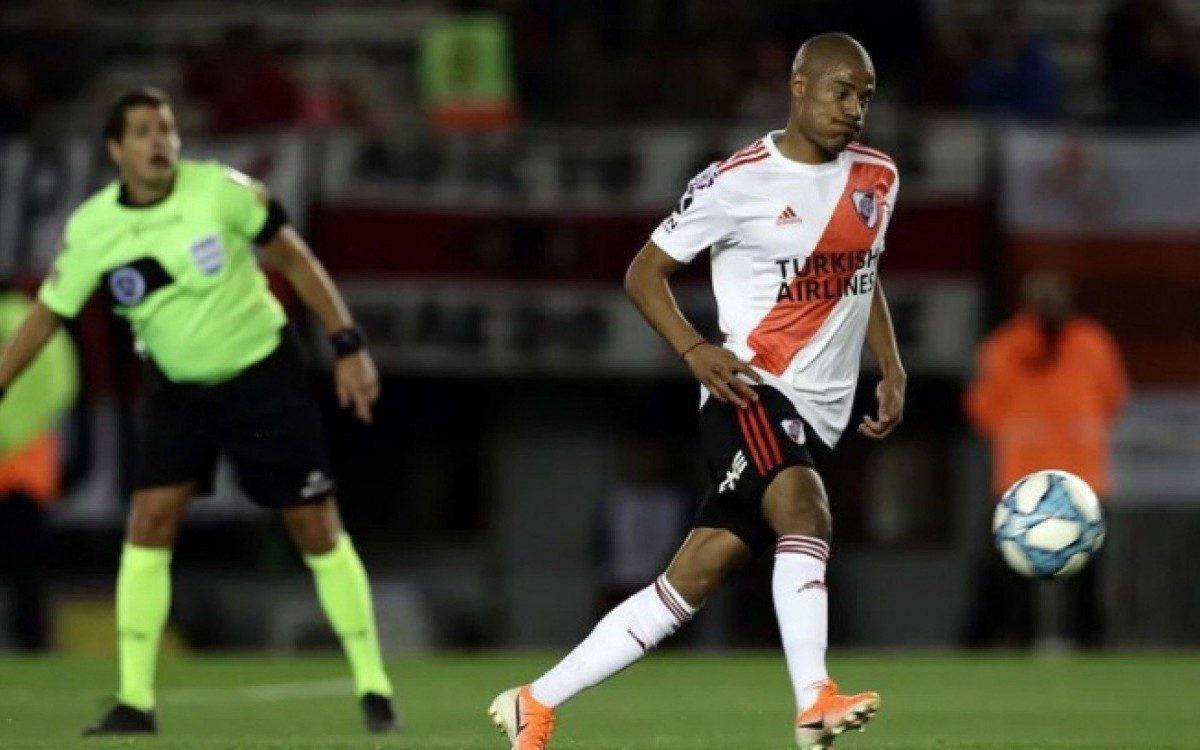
(527, 723)
(820, 724)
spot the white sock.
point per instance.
(802, 607)
(635, 626)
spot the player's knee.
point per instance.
(314, 539)
(314, 530)
(795, 503)
(805, 517)
(819, 520)
(153, 525)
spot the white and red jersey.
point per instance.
(795, 261)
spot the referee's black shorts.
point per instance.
(746, 449)
(266, 420)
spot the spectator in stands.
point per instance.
(1011, 72)
(1148, 65)
(1049, 388)
(245, 86)
(465, 71)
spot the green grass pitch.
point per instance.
(673, 700)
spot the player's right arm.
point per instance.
(698, 222)
(35, 332)
(647, 284)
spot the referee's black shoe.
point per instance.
(378, 714)
(122, 719)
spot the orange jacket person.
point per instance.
(1049, 388)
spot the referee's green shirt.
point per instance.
(181, 270)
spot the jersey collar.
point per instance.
(123, 197)
(832, 165)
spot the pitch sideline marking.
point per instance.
(265, 693)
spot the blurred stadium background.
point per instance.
(477, 175)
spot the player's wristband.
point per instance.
(683, 354)
(347, 341)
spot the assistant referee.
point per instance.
(170, 243)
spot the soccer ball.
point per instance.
(1048, 525)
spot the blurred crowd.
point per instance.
(646, 60)
(50, 60)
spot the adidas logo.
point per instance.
(735, 472)
(787, 216)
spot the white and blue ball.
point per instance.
(1048, 524)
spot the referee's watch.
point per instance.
(347, 341)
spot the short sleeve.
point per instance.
(893, 195)
(72, 280)
(889, 204)
(242, 202)
(698, 222)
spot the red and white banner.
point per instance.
(1118, 214)
(1101, 184)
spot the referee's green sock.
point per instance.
(143, 600)
(345, 595)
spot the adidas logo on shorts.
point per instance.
(735, 472)
(315, 485)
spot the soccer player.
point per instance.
(795, 222)
(170, 244)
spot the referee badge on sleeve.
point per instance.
(209, 255)
(127, 286)
(133, 282)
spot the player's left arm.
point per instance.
(881, 338)
(356, 377)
